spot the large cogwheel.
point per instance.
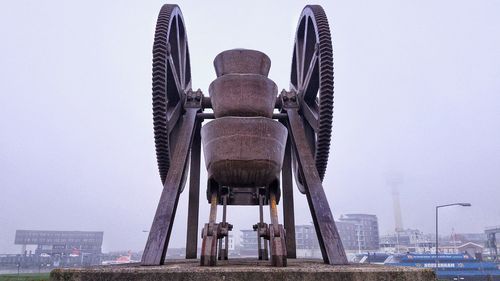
(171, 80)
(312, 79)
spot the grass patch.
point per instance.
(25, 277)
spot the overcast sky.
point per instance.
(417, 96)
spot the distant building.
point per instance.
(306, 241)
(58, 248)
(478, 238)
(470, 248)
(349, 234)
(415, 241)
(408, 240)
(491, 241)
(471, 243)
(305, 238)
(61, 242)
(175, 253)
(230, 245)
(248, 243)
(180, 253)
(366, 230)
(358, 231)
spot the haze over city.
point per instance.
(416, 99)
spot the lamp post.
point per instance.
(437, 237)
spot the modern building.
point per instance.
(248, 243)
(366, 230)
(55, 249)
(63, 248)
(307, 244)
(348, 232)
(231, 243)
(307, 241)
(357, 232)
(61, 242)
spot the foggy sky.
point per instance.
(417, 95)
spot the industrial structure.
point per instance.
(491, 243)
(251, 146)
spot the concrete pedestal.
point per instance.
(243, 269)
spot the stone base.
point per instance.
(243, 269)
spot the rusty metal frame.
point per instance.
(288, 207)
(159, 235)
(194, 195)
(328, 236)
(297, 112)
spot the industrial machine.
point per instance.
(253, 139)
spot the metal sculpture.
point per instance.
(246, 150)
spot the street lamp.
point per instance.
(437, 208)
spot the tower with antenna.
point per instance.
(394, 181)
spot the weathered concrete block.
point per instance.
(243, 269)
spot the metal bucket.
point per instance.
(244, 152)
(243, 95)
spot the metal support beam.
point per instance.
(288, 209)
(212, 116)
(277, 237)
(210, 233)
(223, 251)
(261, 241)
(159, 235)
(194, 196)
(328, 236)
